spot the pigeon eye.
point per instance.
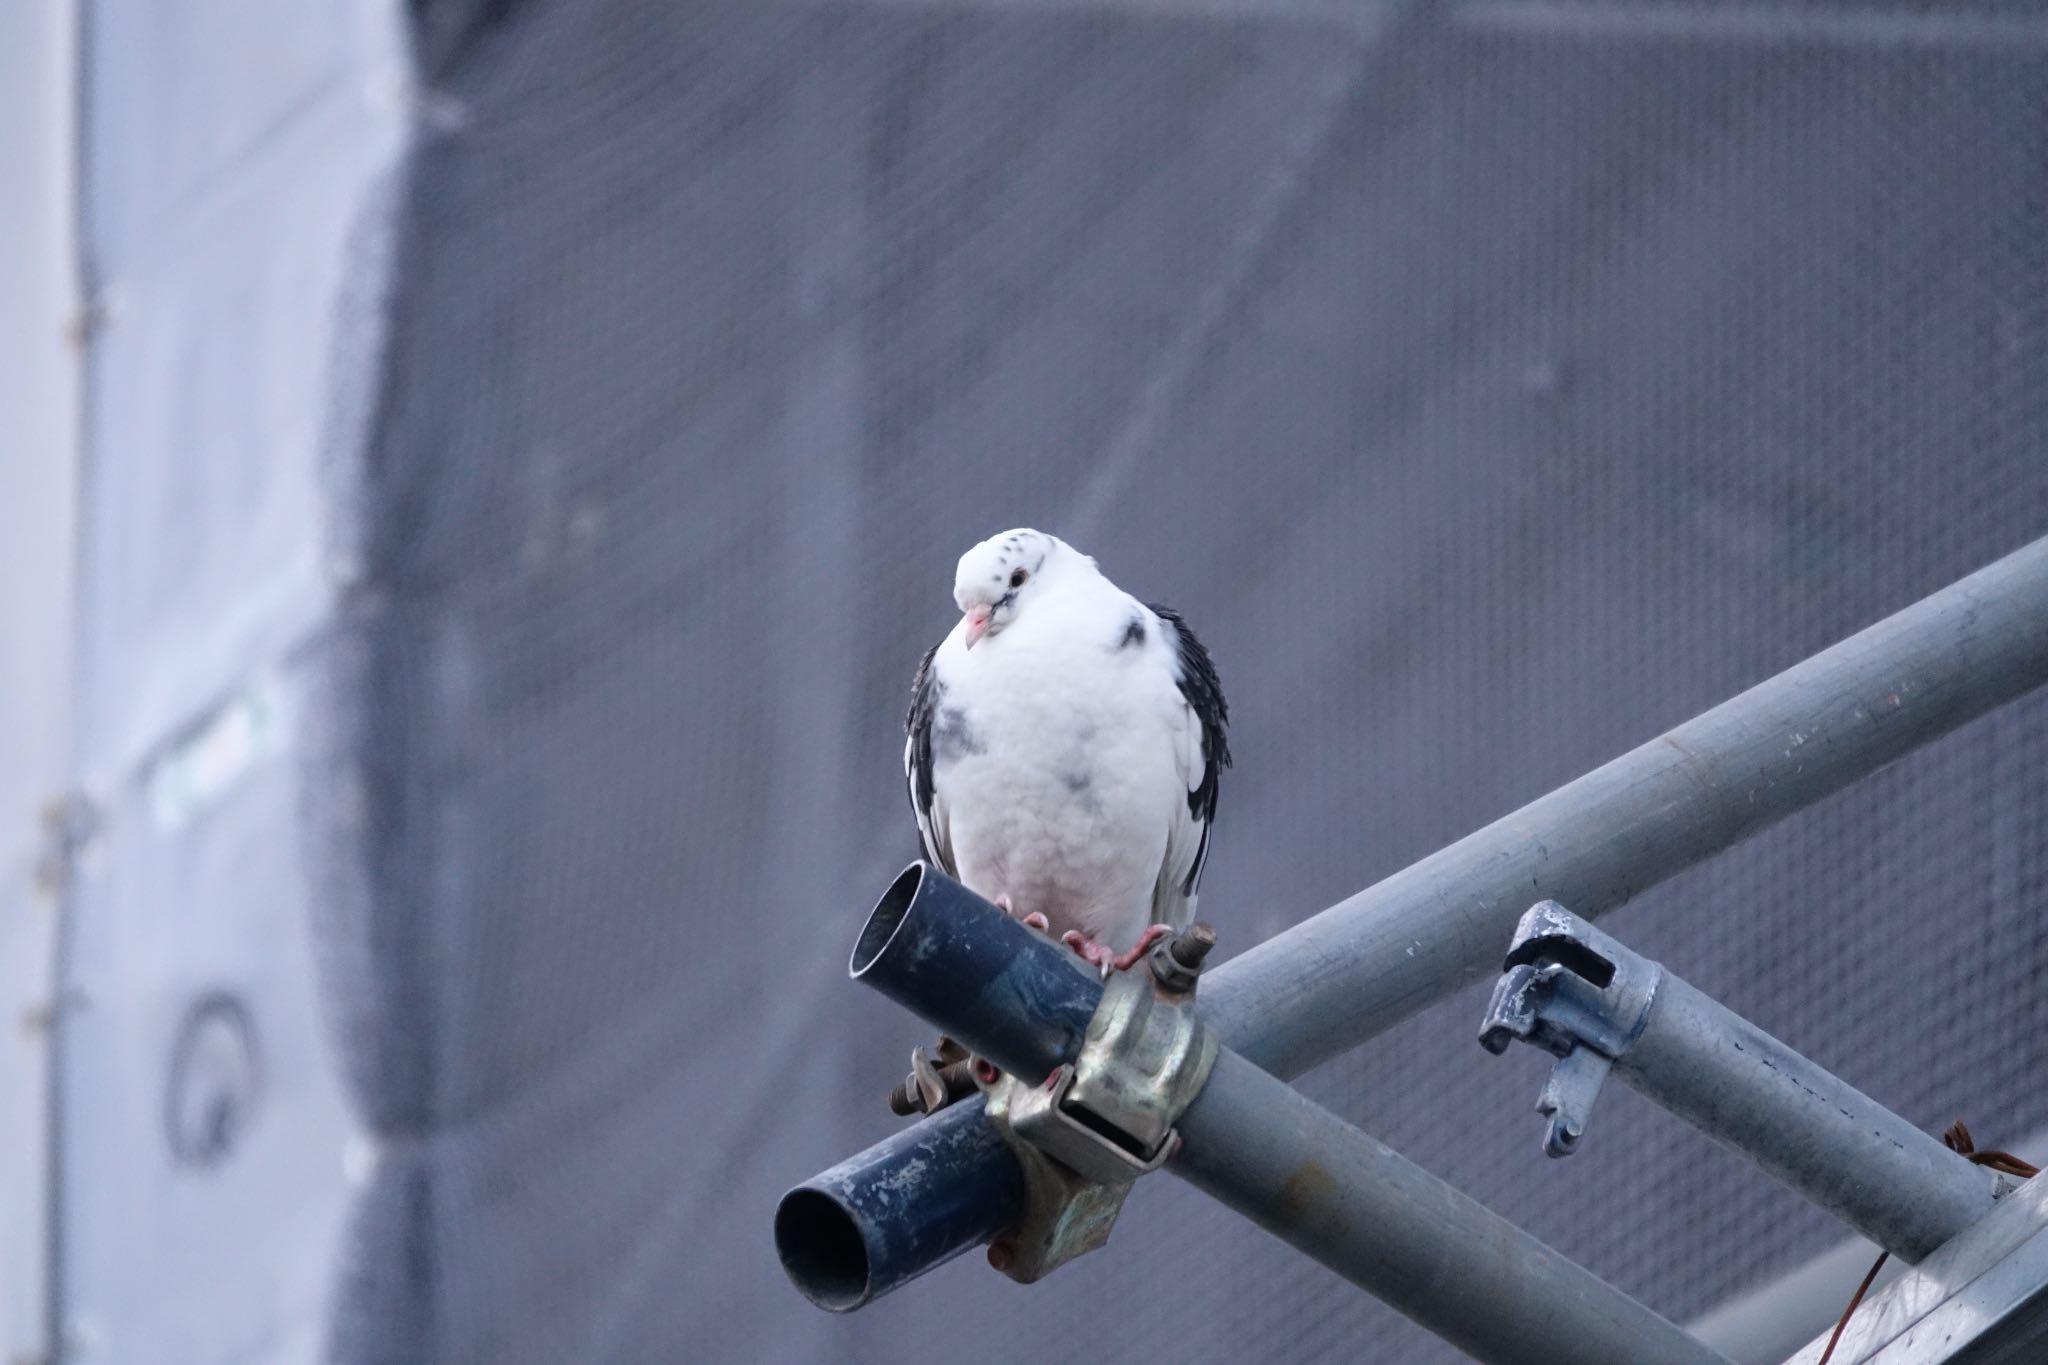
(1017, 578)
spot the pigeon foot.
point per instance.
(1092, 951)
(1106, 959)
(1151, 936)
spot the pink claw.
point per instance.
(1100, 955)
(1034, 920)
(1145, 942)
(1089, 950)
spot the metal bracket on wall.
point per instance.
(1087, 1132)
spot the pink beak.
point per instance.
(977, 624)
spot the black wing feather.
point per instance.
(1204, 694)
(925, 693)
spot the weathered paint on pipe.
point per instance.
(906, 1205)
(920, 1197)
(1391, 1228)
(1365, 964)
(1896, 1185)
(967, 968)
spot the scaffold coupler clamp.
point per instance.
(1581, 996)
(1084, 1134)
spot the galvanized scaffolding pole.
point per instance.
(1439, 1257)
(1364, 965)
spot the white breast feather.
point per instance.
(1062, 766)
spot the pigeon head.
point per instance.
(997, 578)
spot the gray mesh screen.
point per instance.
(1492, 387)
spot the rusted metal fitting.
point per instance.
(1087, 1132)
(1065, 1213)
(936, 1079)
(1176, 960)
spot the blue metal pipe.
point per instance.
(917, 1199)
(945, 954)
(906, 1205)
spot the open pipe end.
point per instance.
(822, 1251)
(913, 1201)
(886, 919)
(1007, 993)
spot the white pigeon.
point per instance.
(1065, 740)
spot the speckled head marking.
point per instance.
(997, 577)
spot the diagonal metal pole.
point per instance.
(1425, 1249)
(1365, 964)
